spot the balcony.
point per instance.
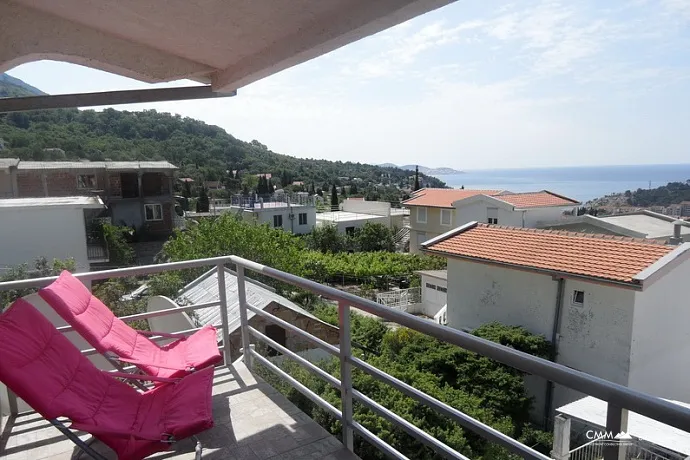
(254, 421)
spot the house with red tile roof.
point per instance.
(435, 211)
(613, 306)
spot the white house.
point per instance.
(54, 228)
(436, 211)
(295, 218)
(529, 210)
(613, 306)
(355, 213)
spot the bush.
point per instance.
(375, 237)
(41, 268)
(119, 250)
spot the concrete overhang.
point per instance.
(225, 43)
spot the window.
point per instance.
(153, 211)
(492, 216)
(441, 289)
(85, 181)
(445, 216)
(578, 298)
(421, 238)
(431, 286)
(303, 218)
(349, 231)
(421, 215)
(278, 220)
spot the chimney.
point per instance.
(676, 239)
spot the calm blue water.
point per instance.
(582, 183)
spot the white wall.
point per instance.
(660, 352)
(432, 299)
(594, 338)
(51, 232)
(380, 208)
(480, 293)
(343, 225)
(529, 218)
(478, 212)
(265, 216)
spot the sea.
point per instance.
(583, 183)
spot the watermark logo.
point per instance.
(609, 437)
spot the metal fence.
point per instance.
(619, 397)
(400, 298)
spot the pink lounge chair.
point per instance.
(106, 333)
(51, 375)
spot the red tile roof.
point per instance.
(604, 257)
(443, 197)
(537, 199)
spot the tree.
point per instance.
(41, 268)
(312, 191)
(375, 237)
(203, 204)
(416, 178)
(334, 198)
(343, 192)
(353, 189)
(326, 238)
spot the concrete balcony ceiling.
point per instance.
(225, 43)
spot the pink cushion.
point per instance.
(44, 369)
(106, 333)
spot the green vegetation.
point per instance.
(14, 87)
(371, 237)
(42, 267)
(484, 389)
(672, 193)
(201, 151)
(282, 250)
(119, 250)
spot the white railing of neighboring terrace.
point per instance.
(400, 298)
(619, 397)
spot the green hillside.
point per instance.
(201, 151)
(14, 87)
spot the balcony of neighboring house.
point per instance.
(126, 185)
(253, 420)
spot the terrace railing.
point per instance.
(619, 398)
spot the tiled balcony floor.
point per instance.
(253, 421)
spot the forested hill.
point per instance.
(14, 87)
(672, 193)
(201, 151)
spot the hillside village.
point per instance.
(165, 286)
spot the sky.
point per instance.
(473, 85)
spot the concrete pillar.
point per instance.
(561, 438)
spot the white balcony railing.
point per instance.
(619, 398)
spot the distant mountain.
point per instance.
(424, 170)
(14, 87)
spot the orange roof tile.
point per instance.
(605, 257)
(443, 197)
(536, 199)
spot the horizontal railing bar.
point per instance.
(417, 433)
(155, 314)
(633, 400)
(487, 432)
(377, 442)
(316, 399)
(274, 319)
(118, 272)
(291, 354)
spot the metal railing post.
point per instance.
(345, 373)
(616, 422)
(244, 321)
(223, 298)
